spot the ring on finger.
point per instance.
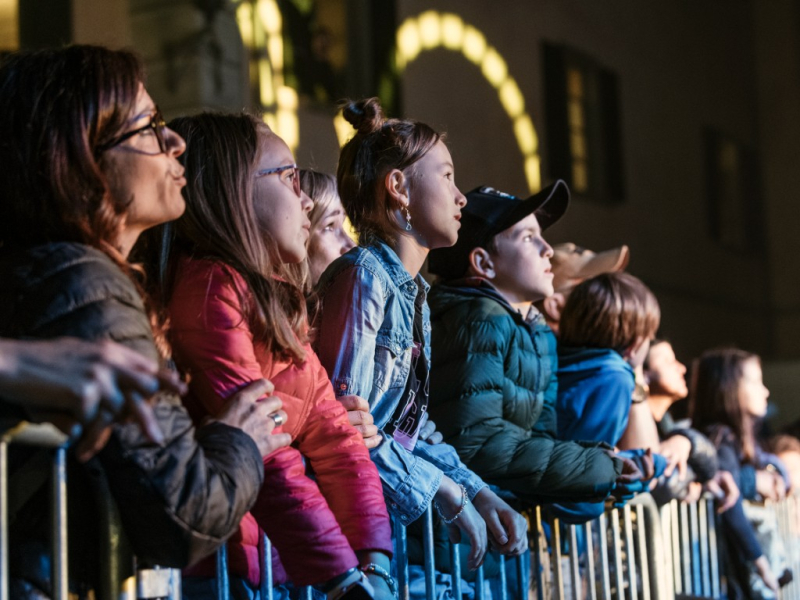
(278, 418)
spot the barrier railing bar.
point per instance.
(617, 541)
(686, 550)
(713, 550)
(60, 552)
(427, 551)
(590, 577)
(604, 563)
(630, 551)
(455, 569)
(694, 529)
(401, 556)
(265, 556)
(558, 572)
(705, 567)
(480, 588)
(675, 544)
(503, 581)
(574, 564)
(539, 550)
(223, 583)
(4, 592)
(644, 568)
(523, 582)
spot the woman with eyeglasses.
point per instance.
(237, 313)
(88, 165)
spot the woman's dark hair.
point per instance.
(222, 151)
(714, 399)
(57, 107)
(379, 146)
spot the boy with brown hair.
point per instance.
(605, 332)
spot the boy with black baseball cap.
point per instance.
(493, 384)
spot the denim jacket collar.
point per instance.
(398, 275)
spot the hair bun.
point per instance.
(365, 115)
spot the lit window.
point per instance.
(9, 26)
(583, 126)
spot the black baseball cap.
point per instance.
(489, 212)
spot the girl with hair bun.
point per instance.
(397, 183)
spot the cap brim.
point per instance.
(609, 261)
(549, 205)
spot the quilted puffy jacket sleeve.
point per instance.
(177, 501)
(475, 417)
(213, 341)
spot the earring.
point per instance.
(408, 219)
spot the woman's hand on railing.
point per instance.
(770, 485)
(676, 450)
(359, 416)
(450, 501)
(258, 419)
(765, 572)
(508, 530)
(724, 489)
(84, 387)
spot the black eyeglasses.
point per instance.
(157, 124)
(295, 176)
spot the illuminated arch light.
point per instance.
(431, 30)
(261, 27)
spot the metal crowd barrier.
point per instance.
(787, 518)
(116, 579)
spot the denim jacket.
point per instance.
(365, 341)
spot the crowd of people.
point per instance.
(186, 304)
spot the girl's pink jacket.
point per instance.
(316, 526)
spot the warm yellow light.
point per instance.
(408, 42)
(474, 44)
(526, 135)
(577, 145)
(533, 173)
(266, 87)
(430, 30)
(244, 18)
(270, 16)
(269, 119)
(494, 67)
(287, 98)
(288, 128)
(452, 31)
(275, 49)
(511, 98)
(344, 131)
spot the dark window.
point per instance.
(735, 216)
(584, 144)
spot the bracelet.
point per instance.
(331, 584)
(383, 574)
(464, 501)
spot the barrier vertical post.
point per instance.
(480, 587)
(60, 552)
(223, 583)
(644, 567)
(522, 581)
(401, 555)
(539, 549)
(605, 574)
(705, 566)
(4, 583)
(630, 551)
(713, 550)
(427, 549)
(265, 554)
(574, 563)
(590, 575)
(558, 573)
(455, 570)
(676, 548)
(617, 540)
(686, 550)
(694, 529)
(503, 582)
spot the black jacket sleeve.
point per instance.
(177, 501)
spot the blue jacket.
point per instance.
(595, 386)
(365, 341)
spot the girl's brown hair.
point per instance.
(220, 224)
(612, 310)
(715, 403)
(58, 107)
(379, 146)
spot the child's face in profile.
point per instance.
(522, 262)
(753, 393)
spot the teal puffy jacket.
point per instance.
(493, 393)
